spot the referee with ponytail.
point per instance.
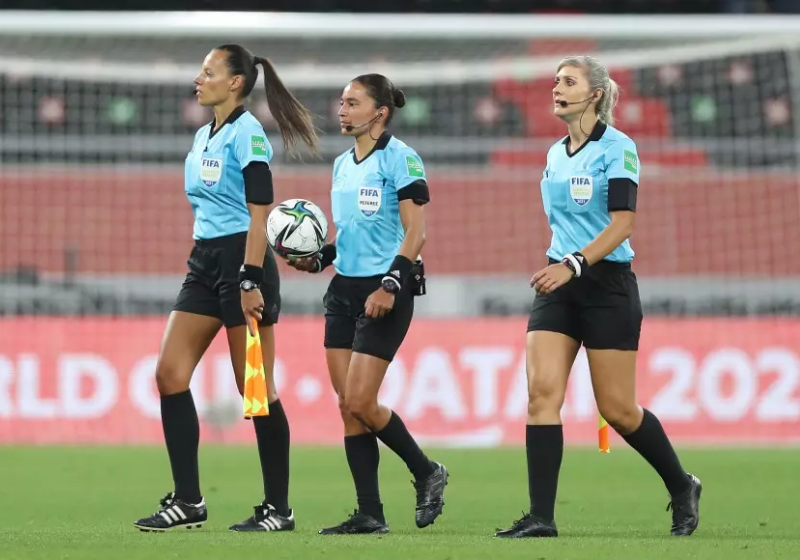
(588, 294)
(377, 199)
(232, 282)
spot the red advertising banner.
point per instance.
(455, 382)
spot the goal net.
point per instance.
(97, 114)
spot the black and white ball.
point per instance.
(297, 228)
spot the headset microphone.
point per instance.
(566, 104)
(351, 128)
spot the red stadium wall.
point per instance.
(91, 381)
(483, 221)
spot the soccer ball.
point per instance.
(297, 228)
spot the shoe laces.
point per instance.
(525, 517)
(352, 520)
(167, 500)
(262, 511)
(422, 486)
(679, 503)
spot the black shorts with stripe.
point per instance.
(601, 309)
(347, 326)
(211, 286)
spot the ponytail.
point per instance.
(607, 103)
(293, 119)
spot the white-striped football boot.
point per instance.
(266, 518)
(174, 514)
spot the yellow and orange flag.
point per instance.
(602, 435)
(255, 381)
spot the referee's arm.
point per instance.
(412, 197)
(622, 169)
(620, 229)
(259, 195)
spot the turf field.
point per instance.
(79, 503)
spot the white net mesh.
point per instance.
(713, 114)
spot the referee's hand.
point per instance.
(253, 307)
(306, 264)
(379, 303)
(551, 278)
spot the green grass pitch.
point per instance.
(79, 503)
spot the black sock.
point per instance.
(272, 436)
(363, 456)
(545, 449)
(397, 438)
(653, 444)
(182, 435)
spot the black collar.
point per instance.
(235, 114)
(383, 141)
(596, 134)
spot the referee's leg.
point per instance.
(549, 359)
(375, 345)
(613, 377)
(611, 324)
(551, 346)
(364, 380)
(186, 338)
(360, 444)
(273, 436)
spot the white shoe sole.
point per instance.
(195, 525)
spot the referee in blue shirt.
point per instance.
(232, 281)
(588, 295)
(378, 193)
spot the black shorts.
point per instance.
(212, 285)
(601, 309)
(346, 326)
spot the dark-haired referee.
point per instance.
(232, 281)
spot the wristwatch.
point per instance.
(390, 285)
(248, 285)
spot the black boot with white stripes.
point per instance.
(266, 518)
(174, 514)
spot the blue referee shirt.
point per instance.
(580, 190)
(213, 178)
(365, 203)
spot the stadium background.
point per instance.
(95, 229)
(96, 116)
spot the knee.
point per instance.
(544, 398)
(623, 416)
(359, 406)
(343, 411)
(169, 379)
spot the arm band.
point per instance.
(326, 256)
(416, 191)
(258, 183)
(250, 272)
(399, 271)
(622, 195)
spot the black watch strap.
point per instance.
(248, 285)
(390, 285)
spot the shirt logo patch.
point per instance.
(258, 145)
(581, 189)
(414, 167)
(369, 200)
(631, 161)
(210, 171)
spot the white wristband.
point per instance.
(571, 258)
